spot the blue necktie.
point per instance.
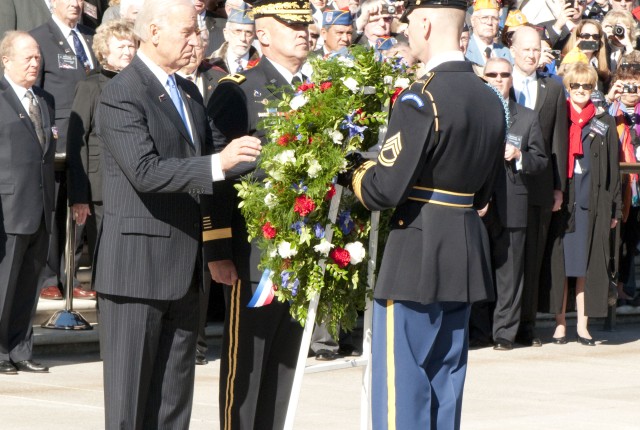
(525, 96)
(80, 52)
(177, 100)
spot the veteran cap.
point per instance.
(288, 12)
(240, 15)
(336, 17)
(515, 18)
(410, 5)
(486, 4)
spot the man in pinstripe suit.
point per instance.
(154, 131)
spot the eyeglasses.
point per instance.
(494, 75)
(488, 19)
(587, 36)
(575, 86)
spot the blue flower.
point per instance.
(318, 230)
(284, 276)
(294, 287)
(354, 130)
(345, 223)
(297, 226)
(300, 187)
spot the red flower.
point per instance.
(395, 95)
(285, 139)
(340, 256)
(325, 86)
(306, 87)
(330, 193)
(304, 205)
(268, 231)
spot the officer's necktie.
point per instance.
(525, 96)
(36, 117)
(296, 81)
(239, 69)
(177, 100)
(80, 52)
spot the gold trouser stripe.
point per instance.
(436, 202)
(220, 233)
(391, 370)
(438, 190)
(234, 327)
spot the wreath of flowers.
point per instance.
(286, 208)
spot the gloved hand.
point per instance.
(354, 160)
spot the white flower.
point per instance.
(286, 251)
(270, 200)
(337, 137)
(285, 157)
(343, 167)
(387, 80)
(348, 62)
(314, 168)
(402, 83)
(323, 247)
(298, 101)
(277, 175)
(350, 83)
(273, 252)
(268, 185)
(356, 251)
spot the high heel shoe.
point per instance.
(560, 340)
(586, 342)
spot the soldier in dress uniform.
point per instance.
(260, 345)
(436, 167)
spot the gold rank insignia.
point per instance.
(390, 150)
(237, 78)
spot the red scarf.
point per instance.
(577, 121)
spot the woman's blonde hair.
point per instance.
(121, 29)
(580, 73)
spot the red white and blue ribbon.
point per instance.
(265, 292)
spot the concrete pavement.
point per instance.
(554, 387)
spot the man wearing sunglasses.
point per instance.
(484, 22)
(546, 96)
(506, 216)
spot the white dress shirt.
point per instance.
(232, 61)
(21, 92)
(286, 74)
(532, 84)
(162, 76)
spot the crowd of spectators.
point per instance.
(560, 59)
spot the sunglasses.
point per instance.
(494, 75)
(575, 86)
(587, 36)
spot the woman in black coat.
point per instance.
(592, 207)
(114, 46)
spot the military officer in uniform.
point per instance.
(260, 345)
(436, 167)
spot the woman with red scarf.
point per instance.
(591, 207)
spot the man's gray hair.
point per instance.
(155, 12)
(9, 39)
(497, 60)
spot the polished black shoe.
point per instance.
(6, 368)
(30, 366)
(349, 351)
(326, 355)
(528, 340)
(501, 344)
(560, 340)
(586, 342)
(201, 360)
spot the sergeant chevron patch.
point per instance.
(390, 150)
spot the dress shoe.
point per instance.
(326, 355)
(586, 342)
(479, 343)
(349, 351)
(30, 366)
(501, 344)
(6, 368)
(51, 293)
(528, 340)
(201, 360)
(79, 293)
(560, 340)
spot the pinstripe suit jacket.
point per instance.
(150, 237)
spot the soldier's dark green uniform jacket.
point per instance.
(446, 132)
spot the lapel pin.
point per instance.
(162, 97)
(256, 93)
(21, 116)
